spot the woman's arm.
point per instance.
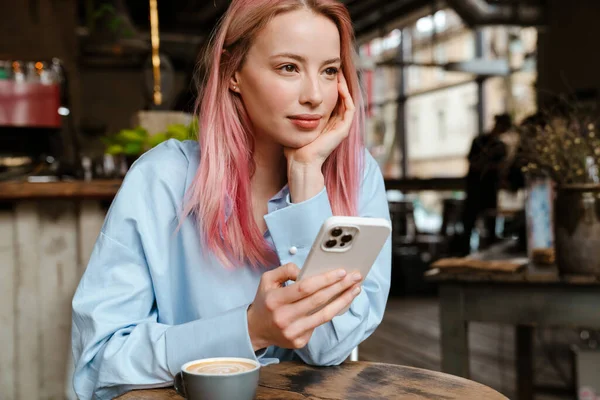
(297, 226)
(118, 342)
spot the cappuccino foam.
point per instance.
(222, 367)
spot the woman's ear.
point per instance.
(234, 83)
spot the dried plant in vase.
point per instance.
(566, 147)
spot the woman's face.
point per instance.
(288, 82)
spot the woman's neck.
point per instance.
(270, 174)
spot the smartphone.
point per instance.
(350, 243)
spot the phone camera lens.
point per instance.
(330, 243)
(335, 232)
(346, 238)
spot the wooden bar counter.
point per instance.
(47, 233)
(100, 189)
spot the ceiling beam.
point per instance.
(482, 12)
(387, 12)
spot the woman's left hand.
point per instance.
(304, 164)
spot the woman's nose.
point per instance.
(311, 92)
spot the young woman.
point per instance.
(199, 243)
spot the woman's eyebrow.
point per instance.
(302, 59)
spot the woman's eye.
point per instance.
(288, 68)
(331, 71)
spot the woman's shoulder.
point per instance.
(171, 161)
(164, 171)
(168, 156)
(151, 194)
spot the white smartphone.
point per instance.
(350, 243)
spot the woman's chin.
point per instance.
(298, 142)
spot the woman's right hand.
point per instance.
(281, 315)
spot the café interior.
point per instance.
(495, 280)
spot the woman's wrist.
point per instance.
(257, 343)
(304, 181)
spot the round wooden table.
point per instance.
(351, 380)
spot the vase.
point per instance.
(577, 229)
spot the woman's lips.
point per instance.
(306, 123)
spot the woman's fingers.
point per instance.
(326, 314)
(320, 298)
(276, 277)
(339, 126)
(344, 91)
(307, 287)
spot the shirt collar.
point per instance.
(278, 199)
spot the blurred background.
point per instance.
(450, 87)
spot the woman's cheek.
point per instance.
(278, 94)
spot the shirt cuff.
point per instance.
(260, 353)
(295, 227)
(225, 335)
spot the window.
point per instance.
(414, 129)
(414, 78)
(441, 125)
(473, 127)
(441, 58)
(442, 121)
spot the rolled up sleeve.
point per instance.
(297, 226)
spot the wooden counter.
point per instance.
(97, 189)
(47, 233)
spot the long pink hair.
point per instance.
(220, 196)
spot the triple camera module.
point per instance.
(338, 237)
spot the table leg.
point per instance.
(524, 362)
(454, 331)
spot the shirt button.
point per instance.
(293, 250)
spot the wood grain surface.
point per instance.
(350, 381)
(99, 189)
(44, 248)
(505, 251)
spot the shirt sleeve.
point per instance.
(332, 343)
(293, 244)
(118, 341)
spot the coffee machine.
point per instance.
(33, 116)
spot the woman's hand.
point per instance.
(305, 178)
(283, 316)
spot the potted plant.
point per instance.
(566, 147)
(132, 143)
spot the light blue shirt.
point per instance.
(152, 299)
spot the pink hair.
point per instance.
(220, 196)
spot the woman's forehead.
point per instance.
(300, 32)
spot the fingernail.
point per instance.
(341, 273)
(356, 290)
(356, 277)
